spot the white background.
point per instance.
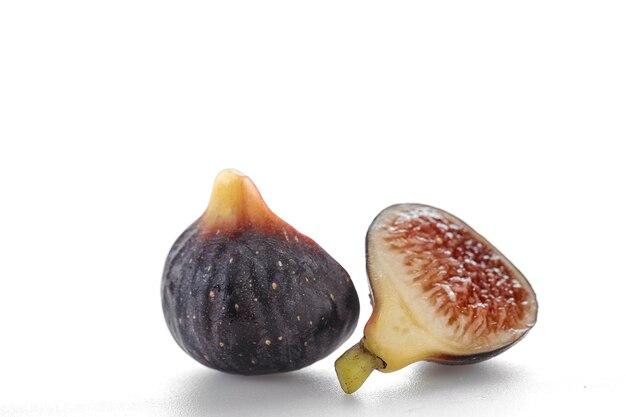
(115, 116)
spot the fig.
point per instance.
(440, 292)
(244, 292)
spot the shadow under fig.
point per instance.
(483, 376)
(429, 387)
(314, 392)
(455, 386)
(207, 392)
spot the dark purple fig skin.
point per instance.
(252, 302)
(471, 359)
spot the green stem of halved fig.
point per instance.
(246, 293)
(441, 292)
(355, 365)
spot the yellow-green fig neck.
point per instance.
(236, 204)
(355, 366)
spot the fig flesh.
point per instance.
(441, 292)
(244, 292)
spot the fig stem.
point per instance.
(355, 365)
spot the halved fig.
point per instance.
(441, 292)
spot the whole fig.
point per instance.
(244, 292)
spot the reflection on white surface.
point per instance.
(496, 387)
(313, 392)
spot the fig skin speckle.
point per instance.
(256, 305)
